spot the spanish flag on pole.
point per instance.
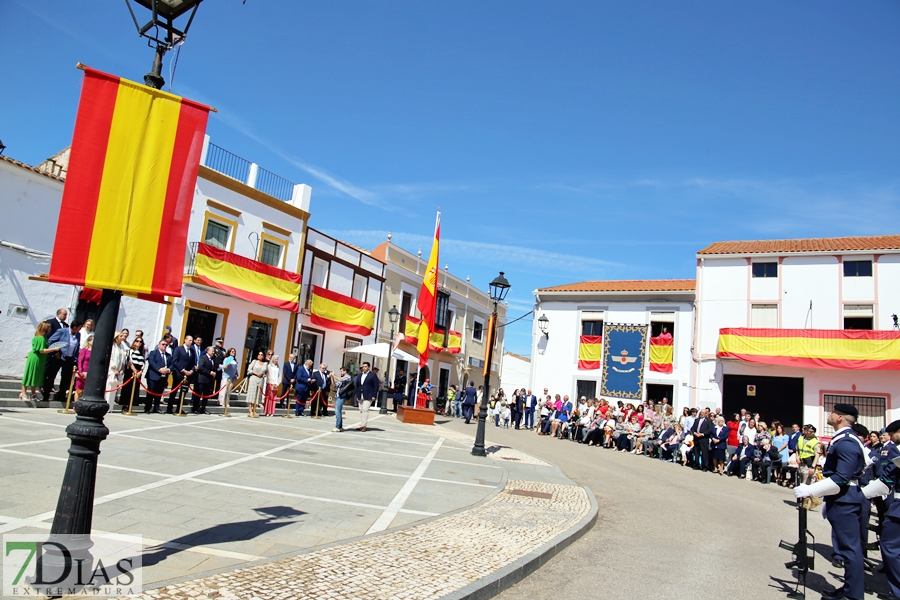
(428, 296)
(123, 222)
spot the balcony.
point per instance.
(227, 163)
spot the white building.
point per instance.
(238, 207)
(848, 283)
(515, 372)
(578, 309)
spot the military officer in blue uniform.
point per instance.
(887, 483)
(844, 463)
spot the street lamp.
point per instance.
(394, 316)
(499, 288)
(544, 325)
(163, 14)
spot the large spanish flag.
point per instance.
(336, 311)
(661, 353)
(248, 279)
(817, 348)
(127, 201)
(427, 302)
(436, 343)
(590, 349)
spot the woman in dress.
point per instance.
(256, 374)
(118, 358)
(81, 368)
(135, 363)
(87, 330)
(719, 445)
(750, 431)
(229, 374)
(273, 380)
(35, 361)
(780, 442)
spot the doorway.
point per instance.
(774, 398)
(264, 339)
(201, 323)
(658, 391)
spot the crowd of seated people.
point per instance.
(744, 446)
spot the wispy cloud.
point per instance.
(521, 258)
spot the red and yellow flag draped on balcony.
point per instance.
(248, 279)
(661, 353)
(129, 188)
(342, 313)
(590, 351)
(427, 302)
(436, 341)
(817, 348)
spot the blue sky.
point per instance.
(563, 141)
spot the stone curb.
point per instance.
(508, 576)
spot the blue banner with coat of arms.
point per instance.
(624, 351)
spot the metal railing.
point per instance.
(274, 185)
(190, 259)
(225, 162)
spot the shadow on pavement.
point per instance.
(273, 517)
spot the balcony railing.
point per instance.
(190, 259)
(274, 185)
(230, 164)
(225, 162)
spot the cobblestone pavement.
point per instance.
(424, 561)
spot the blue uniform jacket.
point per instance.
(844, 463)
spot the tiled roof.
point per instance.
(18, 163)
(519, 356)
(840, 244)
(629, 285)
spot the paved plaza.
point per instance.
(240, 506)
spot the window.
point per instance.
(351, 359)
(441, 308)
(405, 309)
(319, 272)
(765, 269)
(764, 315)
(359, 287)
(857, 268)
(858, 316)
(270, 253)
(216, 235)
(592, 328)
(476, 362)
(872, 410)
(478, 331)
(586, 388)
(662, 322)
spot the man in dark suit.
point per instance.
(701, 430)
(58, 322)
(206, 378)
(470, 397)
(323, 382)
(64, 361)
(367, 385)
(159, 365)
(53, 363)
(184, 365)
(288, 378)
(218, 359)
(302, 385)
(518, 407)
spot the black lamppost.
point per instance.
(394, 316)
(75, 507)
(499, 288)
(163, 14)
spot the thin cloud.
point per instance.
(480, 253)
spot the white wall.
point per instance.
(554, 360)
(515, 373)
(815, 279)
